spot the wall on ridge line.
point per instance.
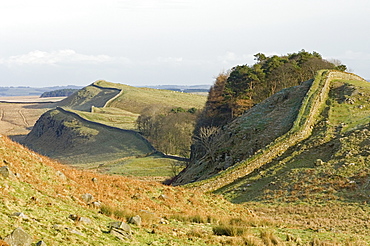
(138, 135)
(301, 129)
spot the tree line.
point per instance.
(59, 93)
(168, 129)
(175, 130)
(243, 86)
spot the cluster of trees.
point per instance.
(169, 130)
(244, 86)
(173, 131)
(59, 93)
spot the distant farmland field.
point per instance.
(19, 114)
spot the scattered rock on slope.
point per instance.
(18, 238)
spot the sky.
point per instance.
(170, 42)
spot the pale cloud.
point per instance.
(355, 55)
(233, 58)
(65, 56)
(170, 59)
(154, 4)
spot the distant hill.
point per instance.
(129, 98)
(31, 91)
(59, 93)
(183, 88)
(96, 125)
(37, 91)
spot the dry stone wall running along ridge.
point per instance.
(301, 130)
(113, 98)
(150, 146)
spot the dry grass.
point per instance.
(17, 119)
(121, 197)
(170, 214)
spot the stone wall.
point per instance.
(302, 128)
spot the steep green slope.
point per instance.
(67, 137)
(312, 106)
(132, 99)
(332, 164)
(89, 96)
(243, 137)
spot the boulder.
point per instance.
(162, 197)
(80, 219)
(58, 227)
(61, 175)
(87, 197)
(85, 220)
(120, 229)
(136, 220)
(74, 231)
(19, 215)
(120, 225)
(96, 204)
(18, 238)
(40, 243)
(5, 172)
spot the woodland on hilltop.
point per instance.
(59, 93)
(244, 86)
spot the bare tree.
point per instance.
(209, 139)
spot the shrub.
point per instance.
(106, 210)
(269, 238)
(229, 230)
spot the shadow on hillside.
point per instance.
(41, 105)
(18, 138)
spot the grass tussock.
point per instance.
(229, 230)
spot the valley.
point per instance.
(284, 168)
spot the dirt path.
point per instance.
(23, 117)
(16, 119)
(2, 113)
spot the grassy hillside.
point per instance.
(134, 99)
(111, 117)
(48, 193)
(243, 137)
(65, 136)
(87, 97)
(128, 98)
(73, 137)
(332, 164)
(307, 116)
